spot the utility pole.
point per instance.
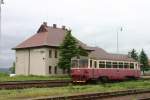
(1, 2)
(120, 30)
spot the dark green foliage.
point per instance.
(82, 51)
(12, 69)
(68, 49)
(143, 61)
(133, 54)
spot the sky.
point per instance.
(95, 22)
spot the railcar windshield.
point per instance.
(74, 63)
(79, 63)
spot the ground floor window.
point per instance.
(55, 71)
(50, 69)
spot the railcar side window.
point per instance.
(126, 65)
(115, 65)
(83, 63)
(95, 64)
(120, 64)
(108, 64)
(102, 64)
(132, 65)
(91, 63)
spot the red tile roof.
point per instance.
(47, 36)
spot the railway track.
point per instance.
(37, 83)
(30, 84)
(98, 96)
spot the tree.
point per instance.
(143, 61)
(12, 69)
(68, 49)
(133, 54)
(82, 52)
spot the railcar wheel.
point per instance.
(104, 79)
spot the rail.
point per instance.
(30, 84)
(95, 96)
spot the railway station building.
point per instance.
(39, 54)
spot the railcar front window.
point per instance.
(74, 63)
(131, 65)
(101, 64)
(83, 63)
(108, 64)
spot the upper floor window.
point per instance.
(50, 53)
(56, 54)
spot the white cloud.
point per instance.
(97, 20)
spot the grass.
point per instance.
(5, 77)
(69, 90)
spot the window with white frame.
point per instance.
(120, 64)
(95, 64)
(126, 65)
(101, 64)
(131, 65)
(114, 64)
(108, 64)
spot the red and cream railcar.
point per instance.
(88, 69)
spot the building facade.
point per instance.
(39, 54)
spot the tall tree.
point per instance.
(82, 52)
(68, 49)
(144, 61)
(133, 54)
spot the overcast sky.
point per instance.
(95, 22)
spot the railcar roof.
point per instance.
(101, 54)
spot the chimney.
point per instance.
(54, 26)
(63, 27)
(45, 24)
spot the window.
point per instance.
(74, 63)
(50, 68)
(56, 54)
(132, 65)
(115, 65)
(91, 63)
(126, 65)
(95, 64)
(120, 64)
(55, 70)
(50, 53)
(83, 63)
(102, 64)
(108, 64)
